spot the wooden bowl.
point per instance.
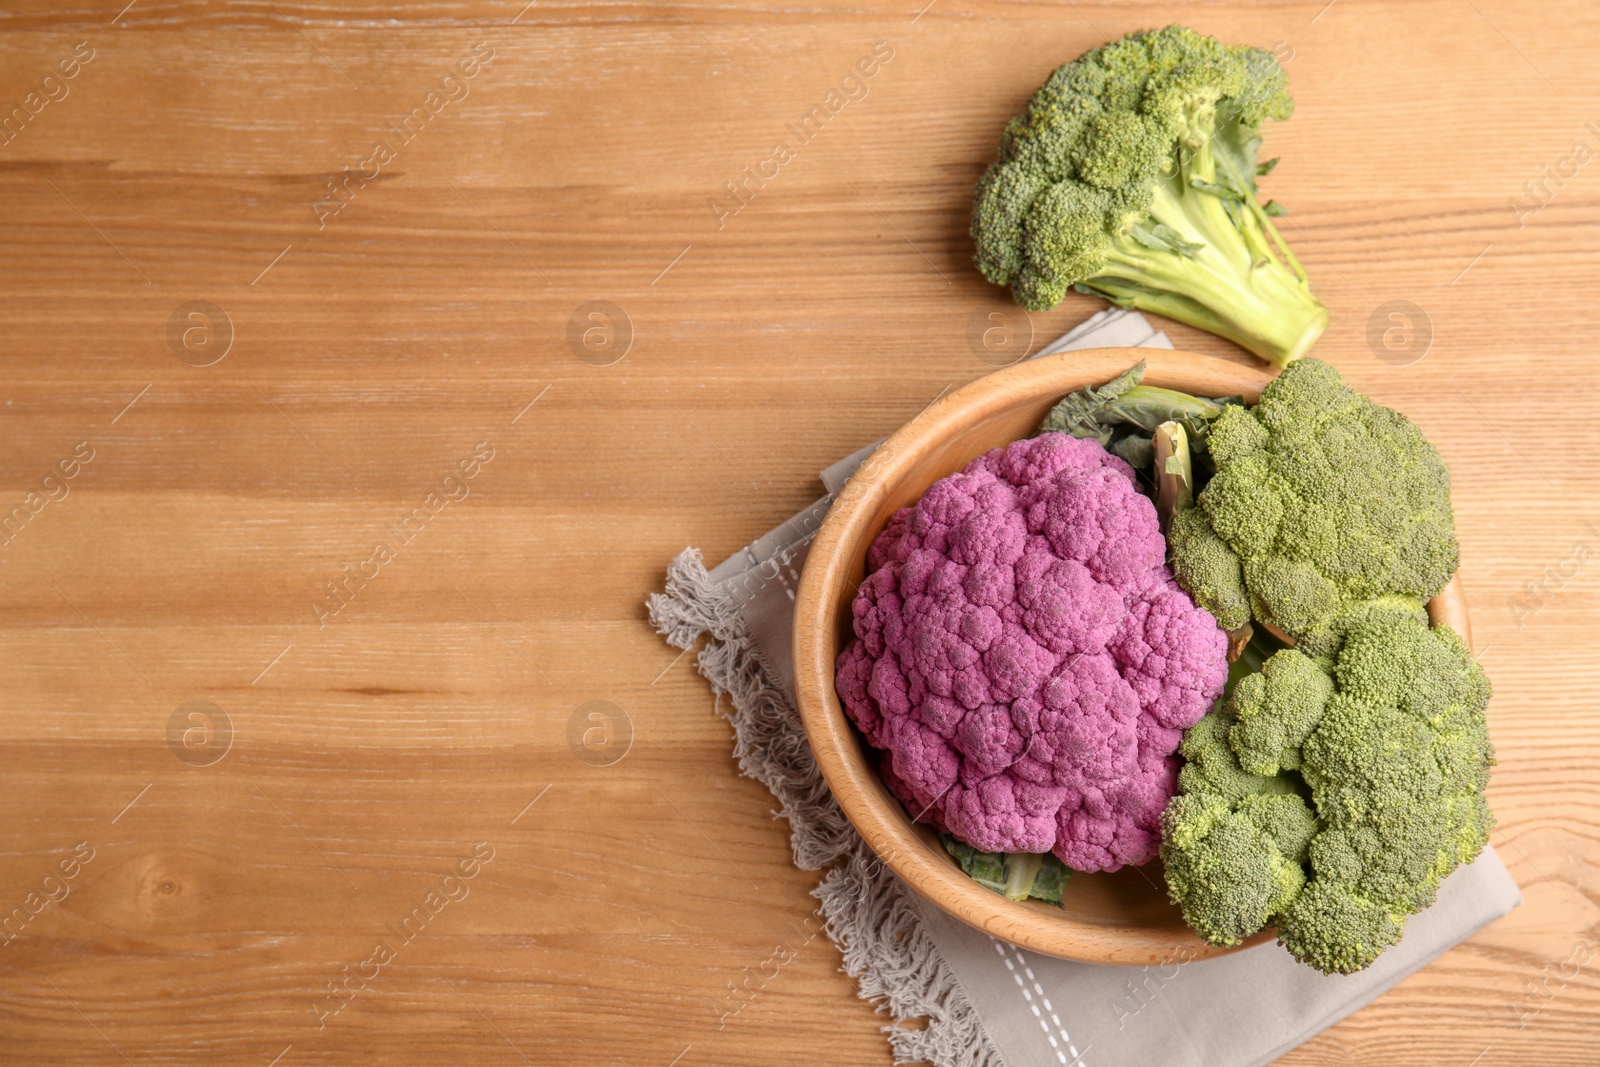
(1122, 917)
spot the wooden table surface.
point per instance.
(366, 364)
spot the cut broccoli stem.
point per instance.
(1232, 286)
(1174, 472)
(1022, 868)
(1015, 875)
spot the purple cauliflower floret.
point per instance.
(1024, 660)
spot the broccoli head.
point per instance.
(1132, 175)
(1232, 842)
(1207, 568)
(1277, 708)
(1325, 509)
(1233, 874)
(1390, 746)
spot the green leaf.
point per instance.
(1089, 290)
(1263, 169)
(1274, 209)
(1136, 451)
(1163, 238)
(1015, 875)
(1078, 413)
(1148, 406)
(1222, 192)
(1052, 879)
(986, 868)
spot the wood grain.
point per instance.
(371, 355)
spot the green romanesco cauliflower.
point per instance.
(1325, 508)
(1132, 175)
(1388, 743)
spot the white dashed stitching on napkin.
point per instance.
(1061, 1031)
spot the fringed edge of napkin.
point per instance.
(870, 915)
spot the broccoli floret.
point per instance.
(1232, 842)
(1213, 768)
(1276, 710)
(1285, 818)
(1403, 751)
(1324, 640)
(1364, 760)
(1332, 508)
(1336, 930)
(1207, 568)
(1232, 866)
(1388, 738)
(1132, 175)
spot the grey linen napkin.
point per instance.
(988, 1003)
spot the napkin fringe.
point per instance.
(769, 743)
(897, 965)
(869, 913)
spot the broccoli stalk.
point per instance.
(1022, 870)
(1206, 257)
(1132, 175)
(1174, 472)
(1148, 406)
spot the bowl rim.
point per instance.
(840, 754)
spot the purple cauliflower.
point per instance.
(1024, 659)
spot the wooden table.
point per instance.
(361, 519)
